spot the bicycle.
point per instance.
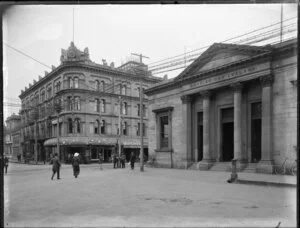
(283, 169)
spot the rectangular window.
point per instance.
(164, 132)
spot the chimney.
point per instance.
(104, 62)
(165, 77)
(46, 72)
(40, 77)
(26, 88)
(112, 65)
(34, 81)
(22, 91)
(30, 85)
(53, 67)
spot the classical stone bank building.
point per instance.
(233, 102)
(76, 108)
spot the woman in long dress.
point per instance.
(75, 164)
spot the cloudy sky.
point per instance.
(112, 32)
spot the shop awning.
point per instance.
(81, 141)
(85, 141)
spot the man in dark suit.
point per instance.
(5, 164)
(55, 166)
(132, 160)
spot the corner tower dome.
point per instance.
(73, 54)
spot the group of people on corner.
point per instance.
(75, 161)
(56, 165)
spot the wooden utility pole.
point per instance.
(141, 56)
(141, 129)
(120, 132)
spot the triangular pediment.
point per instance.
(220, 55)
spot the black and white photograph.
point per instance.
(150, 115)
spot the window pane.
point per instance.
(164, 130)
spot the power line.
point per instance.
(26, 55)
(223, 41)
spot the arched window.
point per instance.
(77, 126)
(97, 85)
(77, 103)
(69, 103)
(125, 108)
(103, 127)
(102, 105)
(70, 82)
(123, 90)
(97, 105)
(70, 125)
(97, 127)
(102, 86)
(76, 83)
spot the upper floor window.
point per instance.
(43, 96)
(139, 110)
(138, 132)
(69, 104)
(97, 105)
(102, 86)
(76, 83)
(57, 86)
(70, 126)
(97, 87)
(123, 89)
(77, 103)
(103, 126)
(97, 127)
(77, 126)
(164, 131)
(125, 127)
(49, 92)
(102, 105)
(124, 108)
(70, 82)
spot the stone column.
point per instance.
(239, 154)
(187, 129)
(266, 163)
(207, 160)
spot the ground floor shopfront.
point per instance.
(89, 148)
(246, 110)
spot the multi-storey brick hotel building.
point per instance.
(75, 108)
(233, 102)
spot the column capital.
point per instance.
(237, 87)
(266, 80)
(206, 93)
(186, 98)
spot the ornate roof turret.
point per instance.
(73, 54)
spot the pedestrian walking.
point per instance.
(75, 164)
(101, 161)
(132, 160)
(55, 166)
(5, 163)
(115, 160)
(123, 158)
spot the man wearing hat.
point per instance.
(55, 166)
(75, 164)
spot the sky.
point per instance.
(113, 32)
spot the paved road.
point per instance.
(156, 197)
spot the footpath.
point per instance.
(243, 178)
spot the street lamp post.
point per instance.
(141, 129)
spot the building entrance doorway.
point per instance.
(255, 132)
(200, 136)
(227, 134)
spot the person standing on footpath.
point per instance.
(5, 163)
(75, 164)
(101, 161)
(55, 166)
(114, 160)
(132, 160)
(123, 158)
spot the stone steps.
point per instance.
(221, 166)
(251, 168)
(193, 166)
